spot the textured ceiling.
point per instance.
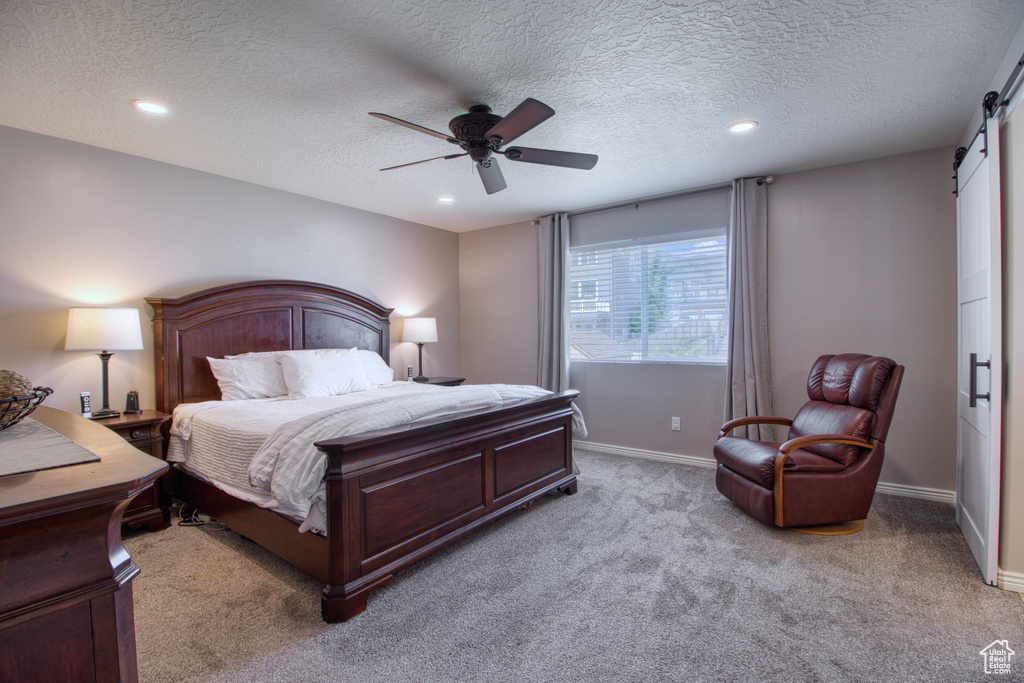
(277, 92)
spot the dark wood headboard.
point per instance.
(261, 315)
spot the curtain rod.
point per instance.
(653, 198)
(767, 179)
(658, 197)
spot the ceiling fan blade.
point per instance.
(450, 156)
(521, 119)
(551, 157)
(414, 126)
(489, 172)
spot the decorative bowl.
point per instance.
(16, 408)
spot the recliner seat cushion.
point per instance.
(755, 460)
(802, 460)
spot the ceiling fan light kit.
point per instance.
(481, 135)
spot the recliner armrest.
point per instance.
(815, 439)
(755, 419)
(802, 442)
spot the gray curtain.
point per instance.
(748, 383)
(553, 342)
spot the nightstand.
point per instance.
(143, 432)
(445, 381)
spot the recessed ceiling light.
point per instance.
(150, 107)
(445, 200)
(743, 126)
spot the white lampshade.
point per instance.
(103, 329)
(419, 330)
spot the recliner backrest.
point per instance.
(852, 394)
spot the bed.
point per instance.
(392, 496)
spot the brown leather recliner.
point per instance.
(827, 470)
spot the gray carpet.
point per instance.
(646, 574)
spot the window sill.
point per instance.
(695, 361)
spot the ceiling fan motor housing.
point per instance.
(474, 125)
(471, 128)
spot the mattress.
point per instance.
(261, 450)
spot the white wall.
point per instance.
(86, 226)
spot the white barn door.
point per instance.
(979, 401)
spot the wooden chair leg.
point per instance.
(840, 529)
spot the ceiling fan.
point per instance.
(482, 135)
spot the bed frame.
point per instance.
(393, 496)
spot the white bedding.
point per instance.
(266, 445)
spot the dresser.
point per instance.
(66, 610)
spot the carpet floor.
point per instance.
(646, 574)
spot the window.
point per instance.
(584, 289)
(661, 299)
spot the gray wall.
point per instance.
(862, 259)
(633, 405)
(87, 226)
(498, 301)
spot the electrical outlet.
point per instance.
(675, 424)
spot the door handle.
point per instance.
(974, 395)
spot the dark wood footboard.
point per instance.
(397, 495)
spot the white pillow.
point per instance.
(327, 372)
(255, 354)
(376, 370)
(242, 378)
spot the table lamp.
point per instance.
(420, 331)
(103, 330)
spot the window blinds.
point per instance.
(639, 292)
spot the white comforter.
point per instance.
(218, 439)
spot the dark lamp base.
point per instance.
(102, 414)
(421, 379)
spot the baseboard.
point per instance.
(1010, 581)
(937, 495)
(692, 460)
